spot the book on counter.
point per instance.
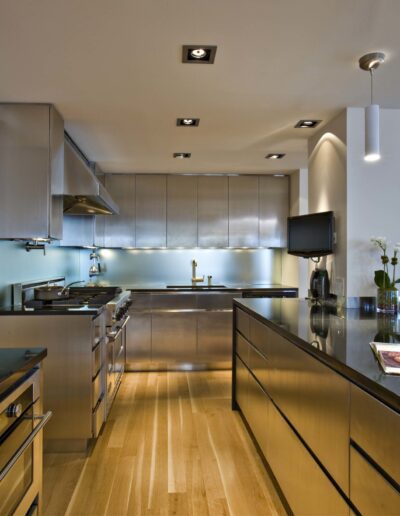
(388, 356)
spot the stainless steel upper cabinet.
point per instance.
(78, 231)
(213, 211)
(243, 211)
(151, 211)
(119, 230)
(31, 171)
(182, 211)
(274, 210)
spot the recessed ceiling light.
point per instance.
(198, 53)
(182, 155)
(275, 155)
(279, 175)
(307, 124)
(187, 122)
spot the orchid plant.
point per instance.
(382, 277)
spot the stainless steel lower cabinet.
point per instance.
(242, 384)
(214, 339)
(138, 341)
(173, 339)
(307, 489)
(370, 492)
(257, 413)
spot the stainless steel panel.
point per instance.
(140, 301)
(174, 338)
(56, 174)
(174, 301)
(216, 300)
(151, 211)
(243, 211)
(67, 370)
(138, 340)
(259, 366)
(78, 231)
(274, 210)
(317, 402)
(376, 429)
(182, 211)
(213, 211)
(119, 230)
(96, 390)
(25, 171)
(242, 382)
(243, 323)
(97, 359)
(214, 338)
(369, 491)
(99, 230)
(257, 413)
(306, 488)
(99, 416)
(243, 349)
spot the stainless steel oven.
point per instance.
(21, 422)
(116, 358)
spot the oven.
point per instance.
(21, 422)
(116, 357)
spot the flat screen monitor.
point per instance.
(311, 235)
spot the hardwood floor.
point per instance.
(171, 446)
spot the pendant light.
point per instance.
(369, 63)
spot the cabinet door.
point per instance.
(243, 211)
(242, 381)
(173, 338)
(214, 338)
(138, 341)
(78, 231)
(305, 486)
(213, 211)
(119, 230)
(274, 210)
(151, 211)
(182, 211)
(257, 413)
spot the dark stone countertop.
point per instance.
(227, 287)
(340, 339)
(52, 310)
(15, 363)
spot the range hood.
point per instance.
(83, 192)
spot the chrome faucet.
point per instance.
(195, 279)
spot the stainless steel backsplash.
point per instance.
(126, 267)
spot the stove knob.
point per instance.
(14, 410)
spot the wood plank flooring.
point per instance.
(171, 446)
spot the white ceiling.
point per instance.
(113, 69)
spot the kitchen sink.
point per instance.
(197, 287)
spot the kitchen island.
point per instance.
(324, 416)
(185, 327)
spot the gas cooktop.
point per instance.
(78, 297)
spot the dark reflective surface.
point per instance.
(340, 338)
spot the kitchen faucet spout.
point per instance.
(195, 279)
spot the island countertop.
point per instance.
(340, 339)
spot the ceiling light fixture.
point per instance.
(275, 155)
(279, 175)
(198, 53)
(307, 124)
(187, 122)
(182, 155)
(369, 63)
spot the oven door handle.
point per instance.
(28, 441)
(114, 335)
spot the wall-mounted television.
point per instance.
(311, 235)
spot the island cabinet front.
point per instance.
(333, 448)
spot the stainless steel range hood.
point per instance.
(83, 192)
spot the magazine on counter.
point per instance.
(388, 356)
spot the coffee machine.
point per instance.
(319, 284)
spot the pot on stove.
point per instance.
(53, 292)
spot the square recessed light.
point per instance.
(182, 155)
(199, 54)
(307, 124)
(275, 155)
(187, 122)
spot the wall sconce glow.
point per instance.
(369, 63)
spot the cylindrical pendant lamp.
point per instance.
(372, 147)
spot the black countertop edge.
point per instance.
(65, 311)
(15, 364)
(385, 396)
(227, 288)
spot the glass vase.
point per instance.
(387, 300)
